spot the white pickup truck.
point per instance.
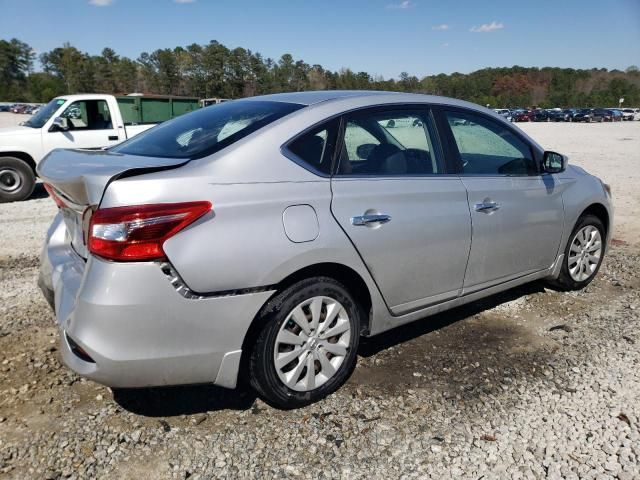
(77, 121)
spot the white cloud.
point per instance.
(404, 5)
(487, 27)
(184, 1)
(443, 26)
(100, 3)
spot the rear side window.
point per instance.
(315, 148)
(488, 148)
(206, 131)
(388, 143)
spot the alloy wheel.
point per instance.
(312, 343)
(585, 253)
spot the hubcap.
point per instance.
(585, 253)
(10, 180)
(312, 343)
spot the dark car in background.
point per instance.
(541, 116)
(562, 115)
(602, 115)
(18, 108)
(592, 115)
(583, 115)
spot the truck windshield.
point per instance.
(45, 113)
(205, 131)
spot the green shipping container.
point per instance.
(138, 110)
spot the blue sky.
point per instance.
(382, 37)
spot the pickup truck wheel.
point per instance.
(307, 346)
(583, 254)
(17, 180)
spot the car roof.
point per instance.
(345, 96)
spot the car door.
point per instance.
(407, 218)
(89, 125)
(516, 212)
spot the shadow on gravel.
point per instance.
(183, 400)
(38, 192)
(410, 331)
(461, 355)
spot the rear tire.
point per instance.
(17, 180)
(585, 247)
(289, 317)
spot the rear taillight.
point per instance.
(138, 232)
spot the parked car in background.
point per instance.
(592, 115)
(4, 108)
(523, 116)
(616, 114)
(629, 114)
(18, 108)
(145, 260)
(504, 112)
(561, 115)
(77, 121)
(602, 115)
(541, 116)
(583, 115)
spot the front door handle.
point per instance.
(364, 220)
(487, 207)
(113, 137)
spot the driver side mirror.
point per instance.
(553, 162)
(60, 123)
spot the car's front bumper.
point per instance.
(134, 324)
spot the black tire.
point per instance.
(263, 376)
(17, 180)
(565, 281)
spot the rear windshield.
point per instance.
(205, 131)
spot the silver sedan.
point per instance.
(264, 237)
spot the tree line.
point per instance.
(213, 70)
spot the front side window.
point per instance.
(488, 148)
(388, 144)
(88, 115)
(206, 131)
(315, 148)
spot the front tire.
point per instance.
(583, 254)
(17, 180)
(307, 345)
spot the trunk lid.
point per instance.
(80, 177)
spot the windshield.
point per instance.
(45, 113)
(206, 131)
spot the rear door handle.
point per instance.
(364, 220)
(113, 137)
(487, 207)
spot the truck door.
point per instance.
(89, 124)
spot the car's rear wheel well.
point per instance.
(598, 210)
(348, 277)
(25, 157)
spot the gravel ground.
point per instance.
(531, 383)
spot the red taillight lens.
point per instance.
(54, 196)
(138, 232)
